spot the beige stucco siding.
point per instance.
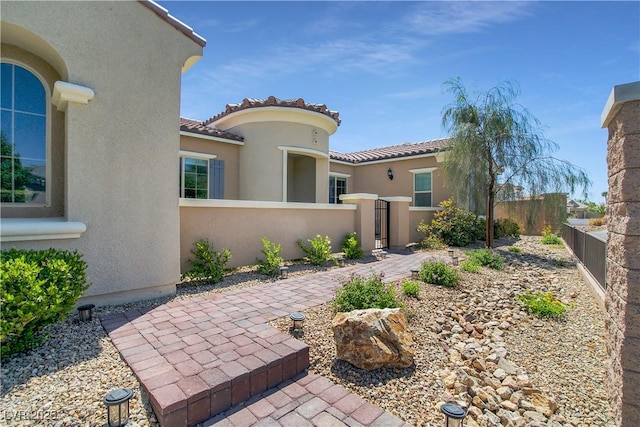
(122, 147)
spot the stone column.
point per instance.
(398, 221)
(365, 217)
(621, 116)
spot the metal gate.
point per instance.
(382, 224)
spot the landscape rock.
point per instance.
(373, 338)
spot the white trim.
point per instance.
(285, 175)
(211, 138)
(619, 95)
(255, 204)
(340, 174)
(422, 170)
(64, 92)
(278, 114)
(424, 208)
(306, 151)
(197, 155)
(358, 196)
(393, 159)
(397, 199)
(19, 229)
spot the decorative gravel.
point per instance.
(63, 382)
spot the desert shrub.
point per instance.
(487, 258)
(271, 264)
(351, 247)
(596, 222)
(549, 237)
(410, 288)
(430, 241)
(453, 226)
(208, 265)
(505, 227)
(318, 249)
(515, 250)
(439, 273)
(359, 293)
(543, 304)
(37, 288)
(470, 266)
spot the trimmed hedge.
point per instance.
(37, 288)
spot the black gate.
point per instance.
(382, 224)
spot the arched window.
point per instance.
(23, 133)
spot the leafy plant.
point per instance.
(487, 258)
(439, 273)
(359, 293)
(453, 226)
(430, 241)
(272, 261)
(318, 250)
(506, 227)
(470, 266)
(208, 264)
(37, 288)
(515, 250)
(351, 247)
(549, 237)
(543, 304)
(410, 288)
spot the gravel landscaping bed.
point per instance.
(63, 382)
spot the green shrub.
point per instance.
(487, 258)
(470, 266)
(439, 273)
(549, 237)
(410, 288)
(515, 250)
(430, 241)
(359, 293)
(272, 262)
(543, 304)
(506, 228)
(454, 226)
(318, 250)
(208, 264)
(351, 247)
(37, 288)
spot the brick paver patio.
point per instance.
(216, 356)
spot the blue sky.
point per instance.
(382, 64)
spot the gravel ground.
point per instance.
(63, 382)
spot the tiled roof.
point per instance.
(194, 126)
(391, 152)
(272, 101)
(174, 22)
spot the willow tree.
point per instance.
(497, 147)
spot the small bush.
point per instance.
(208, 264)
(596, 222)
(470, 266)
(272, 262)
(515, 250)
(439, 273)
(430, 241)
(318, 250)
(359, 293)
(487, 258)
(454, 226)
(351, 247)
(549, 237)
(37, 288)
(543, 304)
(506, 228)
(410, 288)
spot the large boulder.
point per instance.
(374, 338)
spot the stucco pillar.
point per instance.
(622, 298)
(398, 221)
(365, 217)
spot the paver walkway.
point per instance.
(216, 354)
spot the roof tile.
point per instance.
(391, 152)
(195, 126)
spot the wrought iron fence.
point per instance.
(590, 250)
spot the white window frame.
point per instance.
(197, 156)
(419, 172)
(338, 175)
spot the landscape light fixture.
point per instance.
(297, 320)
(454, 260)
(390, 174)
(450, 252)
(284, 272)
(118, 407)
(85, 312)
(453, 415)
(415, 273)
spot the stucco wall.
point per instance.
(533, 215)
(240, 228)
(121, 147)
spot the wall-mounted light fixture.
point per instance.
(390, 174)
